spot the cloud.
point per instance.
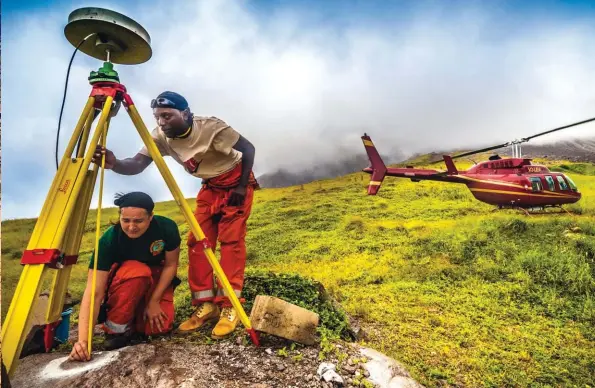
(301, 91)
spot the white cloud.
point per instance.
(436, 81)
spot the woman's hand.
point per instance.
(155, 316)
(79, 352)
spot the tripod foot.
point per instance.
(254, 337)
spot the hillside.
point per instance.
(461, 295)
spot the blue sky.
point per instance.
(303, 80)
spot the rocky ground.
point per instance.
(180, 362)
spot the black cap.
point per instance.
(170, 100)
(135, 199)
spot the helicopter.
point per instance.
(513, 182)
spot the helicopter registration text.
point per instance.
(533, 169)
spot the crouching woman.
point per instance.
(136, 276)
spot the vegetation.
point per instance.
(456, 292)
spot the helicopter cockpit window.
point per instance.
(571, 183)
(550, 183)
(562, 183)
(536, 183)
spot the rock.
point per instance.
(327, 372)
(385, 372)
(324, 367)
(403, 382)
(280, 367)
(349, 369)
(269, 352)
(278, 317)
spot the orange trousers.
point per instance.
(128, 295)
(227, 225)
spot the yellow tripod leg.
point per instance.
(74, 233)
(185, 208)
(86, 132)
(97, 236)
(60, 186)
(72, 244)
(42, 240)
(85, 165)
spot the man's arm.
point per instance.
(128, 166)
(248, 151)
(132, 166)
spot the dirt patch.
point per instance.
(175, 362)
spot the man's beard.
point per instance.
(175, 131)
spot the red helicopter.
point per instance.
(507, 183)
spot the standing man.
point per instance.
(210, 149)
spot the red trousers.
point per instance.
(223, 223)
(128, 295)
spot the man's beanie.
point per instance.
(135, 199)
(165, 100)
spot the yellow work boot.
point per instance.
(227, 323)
(205, 312)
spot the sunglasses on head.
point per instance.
(162, 102)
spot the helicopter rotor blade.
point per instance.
(557, 129)
(481, 150)
(525, 139)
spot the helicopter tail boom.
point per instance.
(377, 168)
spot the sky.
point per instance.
(303, 80)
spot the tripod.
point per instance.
(56, 238)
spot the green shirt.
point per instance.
(115, 246)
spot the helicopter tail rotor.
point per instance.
(377, 168)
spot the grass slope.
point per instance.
(456, 292)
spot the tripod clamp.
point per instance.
(53, 258)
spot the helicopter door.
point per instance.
(536, 183)
(550, 183)
(562, 182)
(573, 186)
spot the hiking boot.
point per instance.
(227, 323)
(116, 341)
(206, 311)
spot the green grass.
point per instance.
(456, 292)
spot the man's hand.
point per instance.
(110, 158)
(79, 352)
(237, 196)
(155, 315)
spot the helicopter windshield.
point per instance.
(571, 183)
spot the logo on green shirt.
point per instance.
(157, 247)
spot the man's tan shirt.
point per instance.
(207, 152)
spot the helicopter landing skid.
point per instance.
(530, 211)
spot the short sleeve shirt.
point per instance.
(206, 153)
(116, 247)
